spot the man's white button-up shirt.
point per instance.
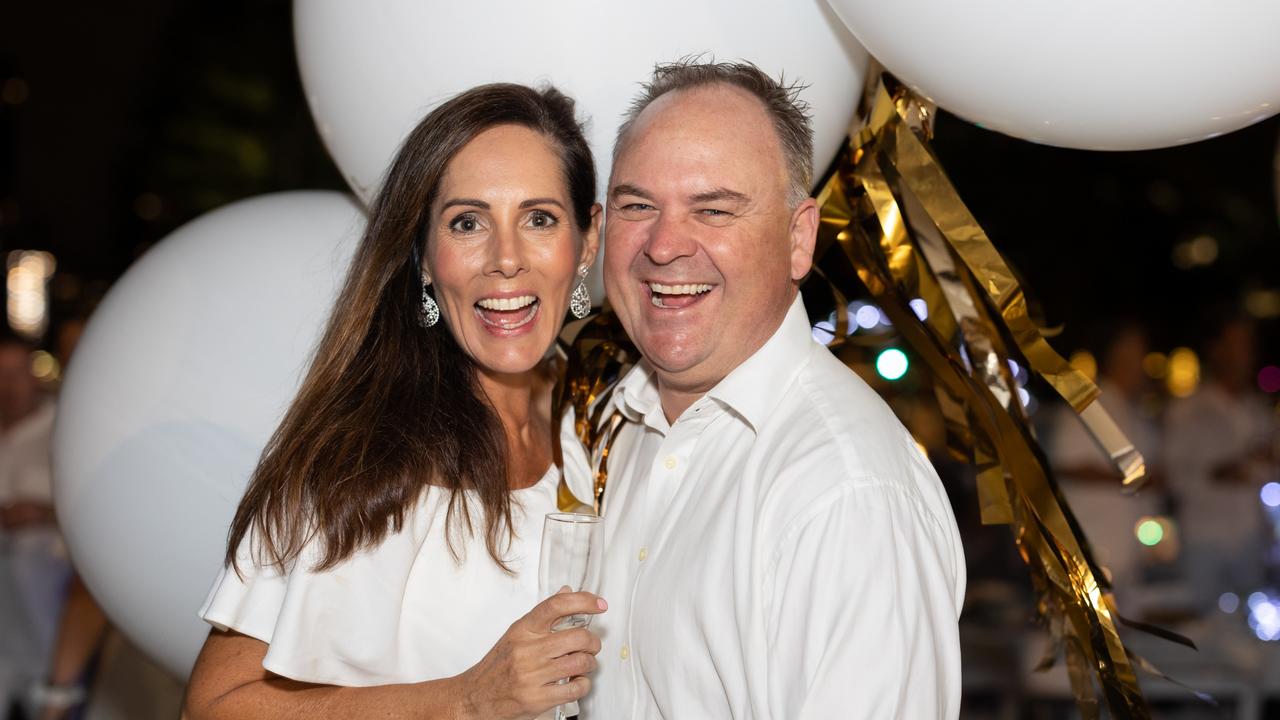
(781, 551)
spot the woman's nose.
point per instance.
(506, 254)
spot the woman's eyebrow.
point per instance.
(468, 202)
(531, 202)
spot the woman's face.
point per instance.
(503, 250)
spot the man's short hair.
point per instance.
(782, 101)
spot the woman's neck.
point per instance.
(523, 404)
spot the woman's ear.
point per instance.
(591, 238)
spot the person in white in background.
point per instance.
(1091, 484)
(776, 545)
(1220, 451)
(33, 560)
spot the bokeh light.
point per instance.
(1228, 602)
(892, 364)
(867, 317)
(1085, 362)
(1183, 373)
(823, 332)
(1271, 494)
(1149, 531)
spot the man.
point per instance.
(776, 546)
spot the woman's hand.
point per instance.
(518, 678)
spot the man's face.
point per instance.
(702, 252)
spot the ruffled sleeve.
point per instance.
(248, 602)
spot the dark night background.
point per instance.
(127, 120)
(120, 122)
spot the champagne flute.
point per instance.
(571, 550)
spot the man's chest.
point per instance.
(684, 555)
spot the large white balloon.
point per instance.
(1091, 74)
(180, 378)
(373, 70)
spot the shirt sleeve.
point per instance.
(249, 602)
(865, 600)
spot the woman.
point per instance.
(390, 534)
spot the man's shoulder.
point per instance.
(833, 437)
(832, 415)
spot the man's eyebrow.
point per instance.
(625, 189)
(720, 194)
(468, 202)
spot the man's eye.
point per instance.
(465, 223)
(637, 207)
(714, 212)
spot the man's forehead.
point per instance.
(711, 104)
(696, 136)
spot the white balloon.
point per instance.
(1090, 74)
(181, 376)
(373, 70)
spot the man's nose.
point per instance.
(670, 237)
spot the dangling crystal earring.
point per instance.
(429, 313)
(580, 301)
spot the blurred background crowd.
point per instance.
(1158, 271)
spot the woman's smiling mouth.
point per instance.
(507, 314)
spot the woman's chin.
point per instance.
(510, 356)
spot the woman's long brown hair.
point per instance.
(388, 407)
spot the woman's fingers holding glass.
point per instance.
(561, 693)
(574, 640)
(573, 665)
(546, 614)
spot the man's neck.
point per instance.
(676, 400)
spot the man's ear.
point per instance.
(803, 238)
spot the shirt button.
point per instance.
(625, 653)
(644, 553)
(670, 462)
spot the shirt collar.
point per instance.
(751, 390)
(755, 387)
(637, 397)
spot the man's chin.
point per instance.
(676, 364)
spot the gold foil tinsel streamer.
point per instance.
(599, 355)
(890, 215)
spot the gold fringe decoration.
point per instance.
(891, 217)
(596, 359)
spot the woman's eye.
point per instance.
(542, 219)
(465, 223)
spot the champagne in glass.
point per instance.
(571, 549)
